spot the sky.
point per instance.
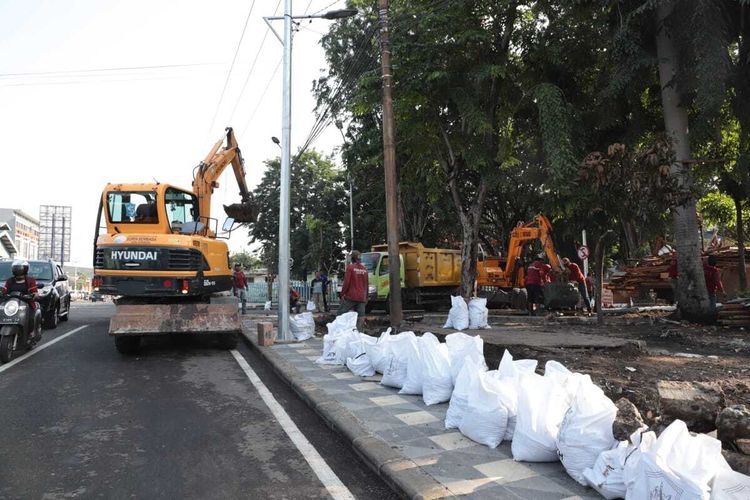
(98, 91)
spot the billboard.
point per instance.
(55, 224)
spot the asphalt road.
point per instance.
(181, 420)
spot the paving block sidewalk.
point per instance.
(405, 441)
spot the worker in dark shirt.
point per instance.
(576, 276)
(713, 280)
(672, 272)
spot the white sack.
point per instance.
(437, 385)
(458, 316)
(311, 306)
(485, 418)
(360, 365)
(267, 306)
(462, 347)
(606, 475)
(586, 430)
(414, 370)
(302, 326)
(397, 351)
(342, 340)
(677, 465)
(344, 323)
(509, 373)
(377, 351)
(542, 404)
(478, 313)
(460, 396)
(730, 485)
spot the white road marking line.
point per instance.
(329, 478)
(40, 348)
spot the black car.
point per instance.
(54, 293)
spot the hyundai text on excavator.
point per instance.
(502, 281)
(159, 250)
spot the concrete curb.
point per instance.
(400, 473)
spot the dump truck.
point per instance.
(161, 254)
(429, 276)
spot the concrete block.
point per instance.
(266, 334)
(696, 403)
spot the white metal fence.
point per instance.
(258, 292)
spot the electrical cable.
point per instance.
(97, 70)
(231, 67)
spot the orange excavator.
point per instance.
(161, 253)
(501, 280)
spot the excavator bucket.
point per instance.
(160, 319)
(242, 212)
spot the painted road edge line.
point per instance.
(329, 478)
(40, 348)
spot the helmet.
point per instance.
(20, 268)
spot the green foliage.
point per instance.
(717, 210)
(245, 259)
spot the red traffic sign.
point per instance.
(583, 252)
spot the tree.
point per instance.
(245, 259)
(318, 204)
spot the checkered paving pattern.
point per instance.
(418, 432)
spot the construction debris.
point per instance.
(627, 421)
(696, 403)
(733, 423)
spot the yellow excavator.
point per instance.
(158, 250)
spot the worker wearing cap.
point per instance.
(575, 275)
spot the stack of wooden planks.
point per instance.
(649, 273)
(735, 313)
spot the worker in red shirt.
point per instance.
(576, 276)
(354, 289)
(239, 286)
(536, 276)
(713, 280)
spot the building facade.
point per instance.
(24, 232)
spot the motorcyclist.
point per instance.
(21, 282)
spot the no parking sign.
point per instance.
(583, 252)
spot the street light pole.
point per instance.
(285, 183)
(389, 164)
(286, 156)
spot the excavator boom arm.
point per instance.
(209, 171)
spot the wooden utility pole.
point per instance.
(389, 161)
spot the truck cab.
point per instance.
(378, 276)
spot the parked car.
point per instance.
(54, 293)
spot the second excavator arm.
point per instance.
(210, 169)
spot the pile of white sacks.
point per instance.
(560, 415)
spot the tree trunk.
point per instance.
(741, 270)
(599, 275)
(691, 290)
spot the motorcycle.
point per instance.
(20, 324)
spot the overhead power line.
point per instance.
(103, 70)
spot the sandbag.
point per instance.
(458, 316)
(586, 430)
(437, 384)
(344, 323)
(485, 418)
(397, 351)
(606, 474)
(460, 397)
(541, 407)
(302, 326)
(478, 313)
(311, 306)
(414, 370)
(462, 347)
(267, 306)
(509, 373)
(677, 465)
(730, 485)
(360, 365)
(376, 351)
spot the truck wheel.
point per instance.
(52, 318)
(228, 340)
(128, 345)
(519, 299)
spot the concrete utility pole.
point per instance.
(389, 161)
